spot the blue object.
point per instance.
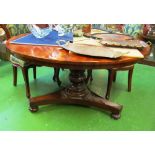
(50, 40)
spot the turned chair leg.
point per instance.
(34, 72)
(110, 80)
(114, 78)
(89, 75)
(26, 79)
(14, 75)
(130, 79)
(56, 76)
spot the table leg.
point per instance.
(77, 93)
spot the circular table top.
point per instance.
(57, 57)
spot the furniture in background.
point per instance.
(4, 55)
(112, 78)
(149, 36)
(78, 31)
(133, 31)
(78, 92)
(17, 62)
(13, 30)
(150, 59)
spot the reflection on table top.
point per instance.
(58, 56)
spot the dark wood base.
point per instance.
(78, 94)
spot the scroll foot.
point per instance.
(115, 116)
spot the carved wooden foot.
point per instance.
(33, 108)
(115, 116)
(78, 94)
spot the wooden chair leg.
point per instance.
(89, 75)
(14, 75)
(26, 79)
(130, 79)
(110, 80)
(114, 78)
(56, 76)
(34, 72)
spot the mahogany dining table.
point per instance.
(77, 92)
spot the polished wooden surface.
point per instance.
(112, 72)
(77, 92)
(28, 65)
(56, 56)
